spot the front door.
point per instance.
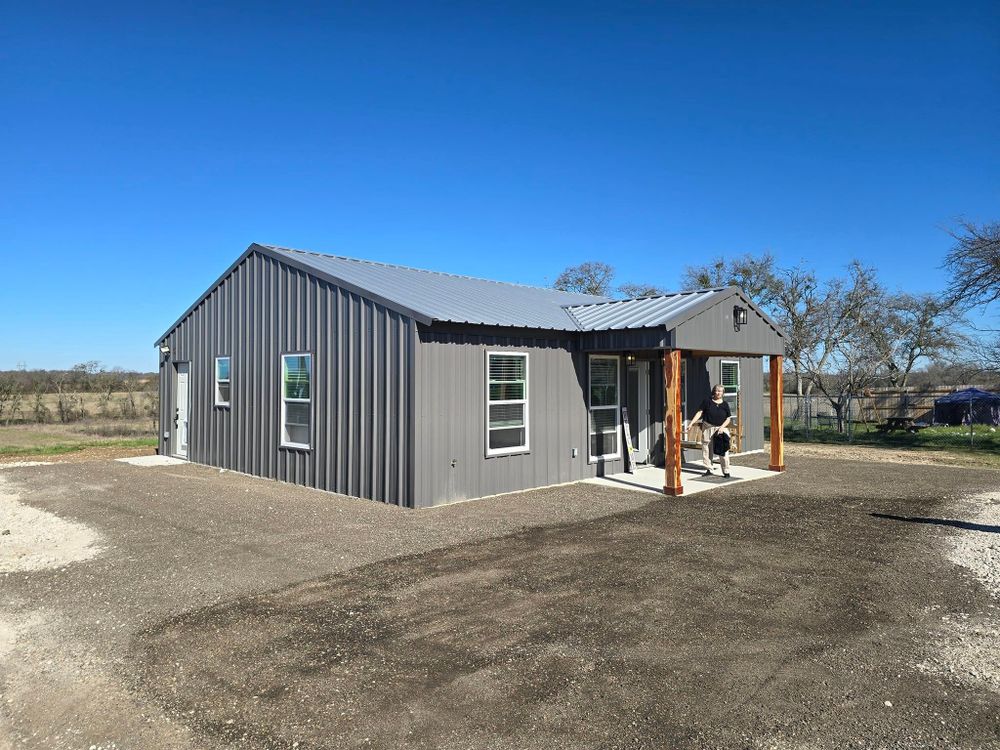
(182, 391)
(637, 401)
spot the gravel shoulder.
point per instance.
(968, 459)
(224, 610)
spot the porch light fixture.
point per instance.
(739, 317)
(164, 350)
(630, 358)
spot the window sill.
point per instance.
(599, 459)
(295, 447)
(222, 406)
(518, 452)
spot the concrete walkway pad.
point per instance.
(152, 461)
(650, 478)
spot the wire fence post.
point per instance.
(972, 424)
(850, 422)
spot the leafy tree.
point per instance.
(592, 277)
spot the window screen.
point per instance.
(296, 399)
(605, 410)
(730, 380)
(222, 381)
(506, 403)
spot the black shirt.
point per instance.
(713, 413)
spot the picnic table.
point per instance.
(906, 424)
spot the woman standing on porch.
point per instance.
(715, 416)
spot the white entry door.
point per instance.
(182, 389)
(637, 400)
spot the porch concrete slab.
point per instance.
(650, 479)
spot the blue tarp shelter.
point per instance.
(970, 405)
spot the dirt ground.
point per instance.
(843, 603)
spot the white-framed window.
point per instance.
(605, 407)
(506, 403)
(296, 400)
(729, 379)
(223, 381)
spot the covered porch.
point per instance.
(674, 427)
(682, 344)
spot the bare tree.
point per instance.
(974, 264)
(917, 327)
(797, 303)
(791, 295)
(592, 277)
(633, 290)
(129, 383)
(11, 397)
(847, 356)
(39, 411)
(756, 275)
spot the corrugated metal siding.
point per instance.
(362, 382)
(704, 372)
(713, 331)
(450, 422)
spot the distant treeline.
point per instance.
(86, 377)
(85, 390)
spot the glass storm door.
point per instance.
(637, 401)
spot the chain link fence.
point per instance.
(890, 417)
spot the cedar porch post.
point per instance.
(672, 417)
(777, 462)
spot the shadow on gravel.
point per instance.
(967, 525)
(717, 621)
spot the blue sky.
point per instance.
(144, 146)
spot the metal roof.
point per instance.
(428, 296)
(666, 310)
(447, 297)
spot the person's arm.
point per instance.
(729, 418)
(697, 415)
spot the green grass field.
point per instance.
(983, 444)
(55, 439)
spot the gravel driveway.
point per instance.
(822, 608)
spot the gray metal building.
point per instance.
(419, 388)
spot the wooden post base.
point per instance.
(779, 467)
(673, 491)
